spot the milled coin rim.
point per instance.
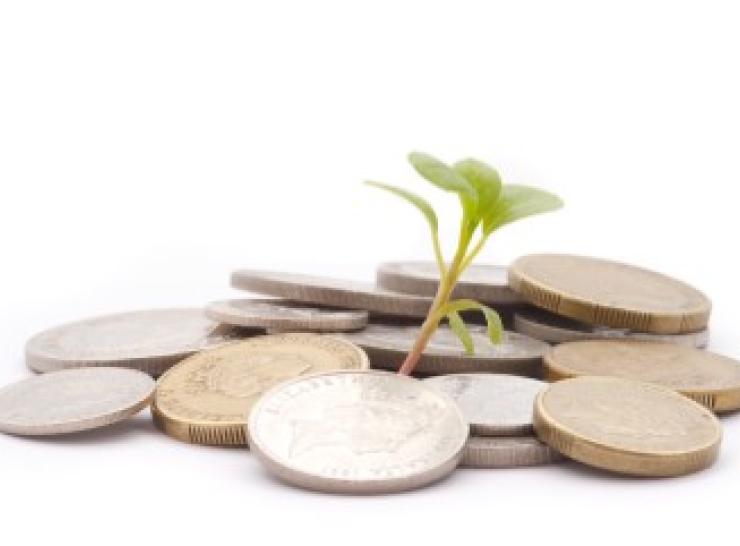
(305, 480)
(481, 456)
(621, 460)
(226, 433)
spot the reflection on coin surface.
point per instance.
(552, 328)
(485, 283)
(285, 315)
(610, 293)
(493, 404)
(627, 426)
(73, 400)
(206, 398)
(710, 379)
(357, 432)
(332, 292)
(506, 452)
(387, 346)
(150, 341)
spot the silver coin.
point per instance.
(485, 283)
(285, 315)
(387, 346)
(507, 452)
(556, 329)
(357, 432)
(150, 341)
(494, 404)
(332, 292)
(73, 400)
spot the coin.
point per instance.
(388, 345)
(485, 283)
(73, 400)
(150, 341)
(332, 292)
(506, 452)
(552, 328)
(626, 426)
(285, 315)
(205, 399)
(357, 432)
(610, 293)
(708, 378)
(493, 404)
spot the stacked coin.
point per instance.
(499, 409)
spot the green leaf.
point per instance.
(458, 326)
(495, 326)
(420, 203)
(446, 178)
(517, 202)
(484, 179)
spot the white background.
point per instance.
(147, 148)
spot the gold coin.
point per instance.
(206, 398)
(710, 379)
(610, 294)
(626, 426)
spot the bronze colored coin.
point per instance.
(485, 283)
(506, 452)
(552, 328)
(626, 426)
(206, 398)
(708, 378)
(610, 293)
(285, 316)
(332, 292)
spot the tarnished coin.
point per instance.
(555, 329)
(493, 404)
(285, 315)
(626, 426)
(610, 293)
(357, 432)
(507, 452)
(388, 345)
(206, 398)
(73, 400)
(332, 292)
(710, 379)
(485, 283)
(150, 341)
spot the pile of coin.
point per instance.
(605, 366)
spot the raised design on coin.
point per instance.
(357, 432)
(507, 452)
(73, 400)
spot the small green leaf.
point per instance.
(446, 178)
(484, 179)
(458, 326)
(517, 202)
(495, 326)
(419, 202)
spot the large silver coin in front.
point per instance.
(494, 404)
(73, 400)
(150, 341)
(357, 432)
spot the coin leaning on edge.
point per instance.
(364, 432)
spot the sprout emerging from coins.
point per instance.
(487, 205)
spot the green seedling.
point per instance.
(487, 205)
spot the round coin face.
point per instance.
(493, 404)
(626, 426)
(357, 432)
(485, 283)
(554, 329)
(73, 400)
(285, 315)
(332, 292)
(206, 398)
(506, 452)
(387, 346)
(708, 378)
(150, 341)
(609, 293)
